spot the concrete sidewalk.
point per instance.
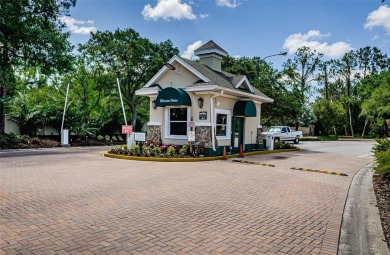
(361, 231)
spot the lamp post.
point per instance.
(279, 54)
(263, 59)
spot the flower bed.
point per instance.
(150, 149)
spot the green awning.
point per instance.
(244, 108)
(172, 97)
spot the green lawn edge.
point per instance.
(251, 153)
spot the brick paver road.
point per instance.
(79, 202)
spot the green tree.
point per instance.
(300, 72)
(132, 58)
(88, 84)
(346, 69)
(30, 34)
(377, 106)
(265, 78)
(330, 115)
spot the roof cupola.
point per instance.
(211, 54)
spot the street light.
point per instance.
(257, 59)
(279, 54)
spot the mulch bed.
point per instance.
(382, 192)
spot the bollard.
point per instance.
(241, 153)
(224, 153)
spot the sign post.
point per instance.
(140, 137)
(128, 130)
(191, 134)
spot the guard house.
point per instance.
(224, 107)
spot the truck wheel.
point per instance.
(277, 140)
(296, 140)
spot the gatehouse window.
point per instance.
(223, 123)
(176, 122)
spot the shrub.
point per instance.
(156, 151)
(114, 138)
(35, 140)
(107, 138)
(8, 140)
(100, 137)
(135, 150)
(120, 138)
(381, 145)
(171, 151)
(146, 151)
(382, 154)
(183, 150)
(279, 146)
(383, 162)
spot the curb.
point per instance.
(253, 163)
(252, 153)
(318, 171)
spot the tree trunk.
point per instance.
(134, 117)
(350, 119)
(365, 125)
(296, 125)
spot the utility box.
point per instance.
(65, 138)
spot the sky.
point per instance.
(244, 28)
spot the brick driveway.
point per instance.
(79, 202)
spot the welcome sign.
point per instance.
(172, 100)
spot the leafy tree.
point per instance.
(88, 85)
(346, 69)
(265, 78)
(325, 76)
(30, 34)
(132, 58)
(300, 72)
(330, 115)
(377, 106)
(308, 117)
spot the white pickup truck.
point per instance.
(282, 134)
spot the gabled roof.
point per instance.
(208, 78)
(222, 79)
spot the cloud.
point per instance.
(203, 16)
(379, 18)
(189, 52)
(73, 25)
(167, 9)
(228, 3)
(312, 40)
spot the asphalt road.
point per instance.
(347, 148)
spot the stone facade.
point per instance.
(203, 135)
(154, 134)
(259, 140)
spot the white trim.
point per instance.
(203, 52)
(167, 134)
(247, 83)
(145, 93)
(246, 95)
(154, 123)
(164, 69)
(203, 124)
(259, 126)
(200, 88)
(228, 123)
